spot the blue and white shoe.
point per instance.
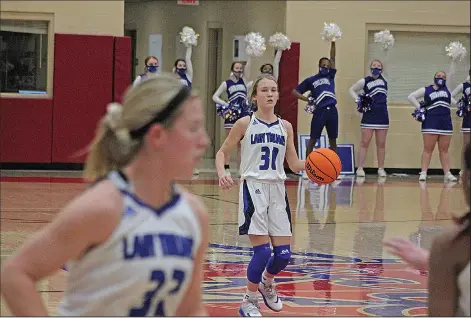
(270, 297)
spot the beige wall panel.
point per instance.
(304, 22)
(237, 18)
(77, 17)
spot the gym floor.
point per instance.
(338, 268)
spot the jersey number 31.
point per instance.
(269, 157)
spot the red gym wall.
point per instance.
(288, 80)
(89, 72)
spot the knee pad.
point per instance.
(261, 255)
(280, 259)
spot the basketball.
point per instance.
(323, 166)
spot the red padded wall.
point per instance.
(288, 80)
(83, 86)
(25, 130)
(122, 66)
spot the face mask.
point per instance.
(237, 74)
(324, 70)
(376, 71)
(439, 81)
(181, 71)
(152, 68)
(267, 73)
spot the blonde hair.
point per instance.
(376, 61)
(113, 146)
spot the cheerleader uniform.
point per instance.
(184, 80)
(237, 95)
(466, 125)
(377, 117)
(139, 79)
(322, 88)
(438, 116)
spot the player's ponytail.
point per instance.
(121, 131)
(112, 146)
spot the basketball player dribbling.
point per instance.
(134, 242)
(264, 212)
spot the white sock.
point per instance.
(251, 294)
(266, 280)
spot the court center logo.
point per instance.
(317, 284)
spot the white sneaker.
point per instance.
(228, 172)
(270, 297)
(449, 177)
(336, 183)
(250, 307)
(196, 171)
(422, 176)
(360, 173)
(382, 173)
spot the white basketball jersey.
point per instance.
(263, 151)
(145, 266)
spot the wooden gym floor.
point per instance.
(338, 268)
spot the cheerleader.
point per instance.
(151, 67)
(322, 88)
(267, 69)
(183, 68)
(465, 88)
(272, 69)
(376, 120)
(235, 88)
(437, 127)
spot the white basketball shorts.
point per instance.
(264, 209)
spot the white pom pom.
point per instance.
(385, 38)
(456, 51)
(280, 41)
(189, 37)
(331, 32)
(255, 44)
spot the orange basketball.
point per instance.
(323, 166)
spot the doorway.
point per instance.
(134, 61)
(213, 73)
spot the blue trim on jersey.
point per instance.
(170, 204)
(249, 209)
(267, 124)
